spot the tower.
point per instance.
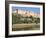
(17, 11)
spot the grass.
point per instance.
(19, 27)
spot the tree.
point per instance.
(30, 17)
(37, 20)
(25, 20)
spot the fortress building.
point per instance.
(25, 13)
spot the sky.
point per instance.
(34, 9)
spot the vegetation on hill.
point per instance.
(19, 19)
